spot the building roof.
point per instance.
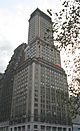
(39, 12)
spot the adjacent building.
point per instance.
(76, 123)
(6, 87)
(39, 99)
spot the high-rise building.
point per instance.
(6, 87)
(40, 90)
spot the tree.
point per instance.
(66, 37)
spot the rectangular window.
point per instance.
(59, 129)
(64, 129)
(35, 126)
(15, 128)
(19, 128)
(42, 127)
(53, 128)
(69, 129)
(48, 127)
(23, 128)
(28, 126)
(36, 104)
(11, 129)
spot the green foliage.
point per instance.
(74, 105)
(67, 24)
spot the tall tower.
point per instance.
(38, 24)
(40, 91)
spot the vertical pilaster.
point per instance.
(39, 105)
(26, 127)
(32, 127)
(32, 100)
(12, 128)
(56, 128)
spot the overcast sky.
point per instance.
(14, 16)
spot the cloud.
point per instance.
(13, 31)
(5, 53)
(4, 58)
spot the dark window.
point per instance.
(48, 128)
(28, 126)
(15, 128)
(59, 129)
(36, 104)
(23, 128)
(35, 126)
(64, 129)
(53, 128)
(11, 129)
(69, 129)
(19, 128)
(42, 127)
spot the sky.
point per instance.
(14, 16)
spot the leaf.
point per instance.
(56, 14)
(64, 3)
(59, 18)
(49, 12)
(63, 10)
(64, 23)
